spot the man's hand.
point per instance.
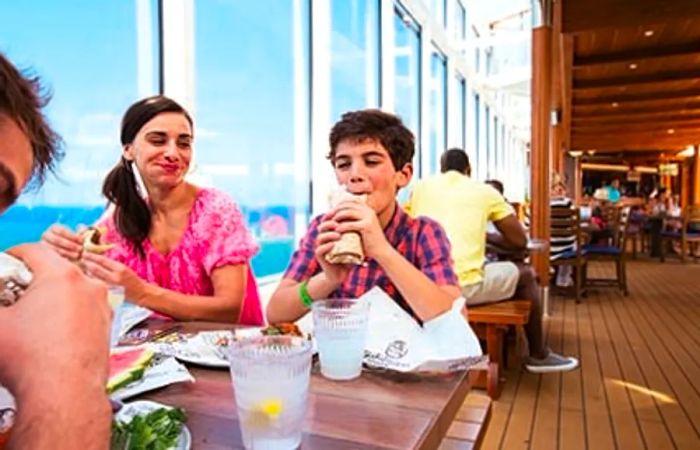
(54, 354)
(326, 239)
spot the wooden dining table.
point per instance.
(379, 410)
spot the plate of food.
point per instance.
(148, 425)
(210, 348)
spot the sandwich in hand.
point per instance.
(92, 240)
(348, 249)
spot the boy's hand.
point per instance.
(327, 237)
(354, 215)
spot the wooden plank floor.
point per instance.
(639, 381)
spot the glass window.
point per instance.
(439, 10)
(477, 133)
(462, 109)
(252, 107)
(496, 149)
(489, 141)
(438, 105)
(354, 55)
(95, 69)
(407, 68)
(460, 29)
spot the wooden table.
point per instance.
(374, 411)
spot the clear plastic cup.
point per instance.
(270, 376)
(115, 296)
(340, 329)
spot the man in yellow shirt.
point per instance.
(464, 207)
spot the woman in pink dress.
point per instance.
(180, 250)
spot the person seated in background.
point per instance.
(464, 206)
(54, 341)
(561, 246)
(371, 153)
(179, 249)
(497, 185)
(613, 189)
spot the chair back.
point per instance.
(564, 223)
(691, 218)
(621, 227)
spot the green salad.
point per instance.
(157, 430)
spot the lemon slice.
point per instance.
(271, 408)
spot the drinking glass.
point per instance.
(115, 296)
(340, 329)
(270, 376)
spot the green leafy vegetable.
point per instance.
(157, 430)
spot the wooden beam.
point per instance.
(626, 110)
(636, 98)
(579, 15)
(606, 142)
(635, 56)
(566, 51)
(638, 126)
(635, 118)
(696, 176)
(643, 80)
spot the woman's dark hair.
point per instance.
(359, 126)
(22, 98)
(132, 214)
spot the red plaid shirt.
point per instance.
(422, 241)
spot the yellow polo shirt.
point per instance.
(463, 207)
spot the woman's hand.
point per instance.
(65, 242)
(326, 239)
(114, 273)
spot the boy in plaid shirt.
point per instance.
(409, 258)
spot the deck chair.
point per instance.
(566, 222)
(688, 235)
(614, 253)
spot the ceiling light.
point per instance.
(615, 104)
(688, 152)
(632, 66)
(575, 153)
(648, 33)
(670, 131)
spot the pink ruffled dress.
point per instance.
(215, 236)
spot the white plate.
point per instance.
(142, 407)
(206, 348)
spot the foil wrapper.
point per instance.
(347, 250)
(14, 279)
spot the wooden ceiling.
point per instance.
(628, 73)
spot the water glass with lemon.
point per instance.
(270, 376)
(115, 297)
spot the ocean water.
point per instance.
(21, 224)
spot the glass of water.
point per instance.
(115, 296)
(340, 329)
(270, 376)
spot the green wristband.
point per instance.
(304, 294)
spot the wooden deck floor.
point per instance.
(639, 381)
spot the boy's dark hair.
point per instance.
(132, 215)
(21, 98)
(496, 184)
(373, 124)
(455, 159)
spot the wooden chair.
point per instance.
(566, 222)
(490, 323)
(688, 239)
(611, 253)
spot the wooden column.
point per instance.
(578, 181)
(685, 182)
(695, 191)
(557, 156)
(540, 127)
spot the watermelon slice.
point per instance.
(126, 366)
